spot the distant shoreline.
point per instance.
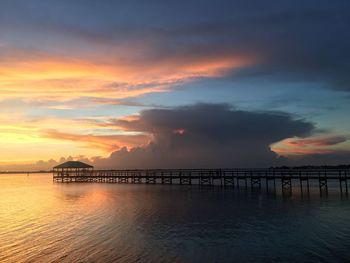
(25, 172)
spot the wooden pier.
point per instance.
(254, 178)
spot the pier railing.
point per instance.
(224, 177)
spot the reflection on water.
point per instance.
(45, 222)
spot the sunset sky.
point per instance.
(130, 84)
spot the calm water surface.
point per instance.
(45, 222)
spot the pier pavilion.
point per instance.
(73, 169)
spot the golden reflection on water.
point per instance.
(20, 200)
(30, 211)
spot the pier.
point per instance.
(253, 178)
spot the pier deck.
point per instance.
(223, 177)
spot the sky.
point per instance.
(160, 84)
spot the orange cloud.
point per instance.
(307, 146)
(282, 151)
(319, 142)
(64, 78)
(108, 143)
(21, 136)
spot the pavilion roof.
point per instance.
(73, 164)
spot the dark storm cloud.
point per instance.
(305, 44)
(206, 135)
(291, 40)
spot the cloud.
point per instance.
(308, 146)
(325, 141)
(205, 135)
(32, 74)
(301, 41)
(40, 165)
(282, 42)
(108, 143)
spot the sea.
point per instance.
(43, 221)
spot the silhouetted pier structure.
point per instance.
(286, 178)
